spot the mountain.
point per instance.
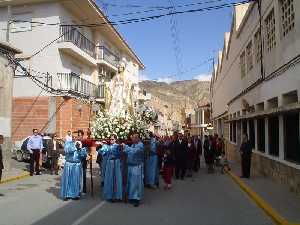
(174, 98)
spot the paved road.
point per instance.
(202, 200)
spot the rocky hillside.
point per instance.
(173, 98)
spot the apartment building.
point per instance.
(82, 63)
(200, 119)
(256, 88)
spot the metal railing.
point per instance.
(106, 55)
(74, 84)
(71, 34)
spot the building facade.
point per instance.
(256, 88)
(200, 119)
(6, 96)
(85, 65)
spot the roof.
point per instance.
(8, 47)
(118, 34)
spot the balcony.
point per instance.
(77, 45)
(107, 58)
(73, 84)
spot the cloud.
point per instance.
(167, 80)
(203, 77)
(143, 77)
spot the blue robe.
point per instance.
(151, 164)
(135, 176)
(112, 188)
(72, 174)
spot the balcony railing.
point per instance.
(109, 57)
(74, 84)
(71, 34)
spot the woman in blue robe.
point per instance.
(112, 188)
(151, 164)
(135, 176)
(72, 174)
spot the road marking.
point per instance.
(278, 219)
(90, 212)
(10, 179)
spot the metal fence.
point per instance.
(72, 34)
(73, 83)
(106, 55)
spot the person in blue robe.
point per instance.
(112, 188)
(151, 164)
(72, 174)
(135, 176)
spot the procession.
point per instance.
(127, 167)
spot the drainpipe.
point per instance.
(262, 70)
(8, 23)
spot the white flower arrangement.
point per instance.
(104, 126)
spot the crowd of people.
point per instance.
(126, 167)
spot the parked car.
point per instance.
(22, 154)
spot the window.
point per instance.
(252, 133)
(234, 132)
(21, 22)
(273, 127)
(270, 31)
(291, 137)
(231, 132)
(287, 16)
(244, 127)
(261, 135)
(257, 43)
(243, 64)
(249, 57)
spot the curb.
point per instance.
(272, 213)
(10, 179)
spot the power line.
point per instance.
(162, 8)
(176, 40)
(140, 19)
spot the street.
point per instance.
(205, 199)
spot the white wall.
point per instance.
(229, 82)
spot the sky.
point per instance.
(199, 36)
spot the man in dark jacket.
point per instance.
(53, 152)
(246, 152)
(179, 148)
(198, 147)
(1, 157)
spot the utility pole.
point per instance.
(8, 23)
(262, 71)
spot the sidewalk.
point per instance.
(278, 196)
(14, 174)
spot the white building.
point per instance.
(259, 94)
(81, 62)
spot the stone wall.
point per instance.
(267, 167)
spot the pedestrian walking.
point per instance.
(72, 174)
(83, 160)
(68, 136)
(179, 148)
(112, 186)
(35, 147)
(198, 148)
(191, 157)
(135, 157)
(152, 164)
(168, 168)
(246, 153)
(208, 147)
(53, 154)
(1, 156)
